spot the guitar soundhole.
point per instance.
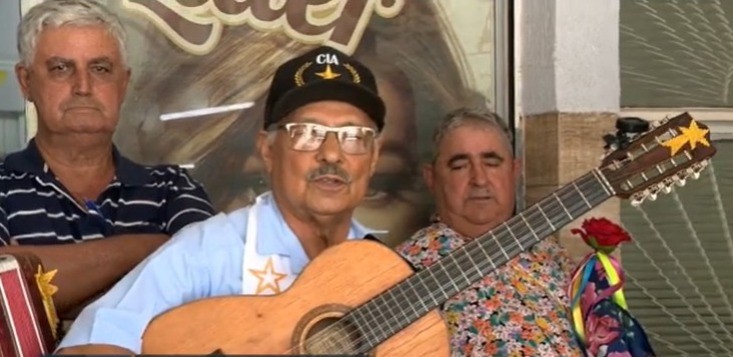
(332, 335)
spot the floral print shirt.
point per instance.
(520, 309)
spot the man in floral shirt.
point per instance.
(520, 309)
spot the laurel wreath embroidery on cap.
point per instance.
(299, 74)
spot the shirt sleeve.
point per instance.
(187, 202)
(188, 267)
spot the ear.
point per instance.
(375, 156)
(128, 75)
(21, 73)
(264, 147)
(428, 175)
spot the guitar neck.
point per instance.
(426, 290)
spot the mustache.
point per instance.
(329, 169)
(81, 103)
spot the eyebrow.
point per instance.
(488, 155)
(315, 121)
(101, 59)
(55, 59)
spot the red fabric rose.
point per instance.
(602, 234)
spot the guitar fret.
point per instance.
(382, 318)
(448, 276)
(582, 195)
(488, 257)
(396, 303)
(463, 271)
(429, 291)
(530, 226)
(509, 229)
(404, 295)
(473, 263)
(498, 242)
(437, 282)
(604, 182)
(562, 205)
(356, 317)
(543, 215)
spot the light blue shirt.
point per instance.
(202, 260)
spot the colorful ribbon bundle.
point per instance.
(600, 316)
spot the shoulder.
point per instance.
(170, 174)
(14, 180)
(4, 174)
(219, 228)
(428, 245)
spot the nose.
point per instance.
(330, 150)
(82, 83)
(478, 175)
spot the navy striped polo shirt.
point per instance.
(35, 208)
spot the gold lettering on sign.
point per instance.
(196, 25)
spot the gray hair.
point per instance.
(462, 116)
(56, 13)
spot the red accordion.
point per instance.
(25, 330)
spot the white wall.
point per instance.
(12, 122)
(567, 56)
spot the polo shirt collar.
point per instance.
(29, 160)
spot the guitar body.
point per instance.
(340, 279)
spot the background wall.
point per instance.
(12, 122)
(567, 97)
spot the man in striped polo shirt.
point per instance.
(71, 187)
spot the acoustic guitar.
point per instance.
(360, 297)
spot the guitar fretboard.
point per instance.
(426, 290)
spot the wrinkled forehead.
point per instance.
(77, 40)
(474, 137)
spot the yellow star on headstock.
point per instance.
(328, 73)
(693, 135)
(47, 290)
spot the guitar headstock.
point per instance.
(671, 152)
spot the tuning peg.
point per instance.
(700, 166)
(681, 181)
(637, 202)
(667, 189)
(652, 197)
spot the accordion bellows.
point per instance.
(25, 330)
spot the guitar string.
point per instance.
(372, 320)
(598, 194)
(555, 209)
(511, 246)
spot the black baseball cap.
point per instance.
(321, 74)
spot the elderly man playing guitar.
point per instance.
(317, 180)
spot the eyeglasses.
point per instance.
(310, 136)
